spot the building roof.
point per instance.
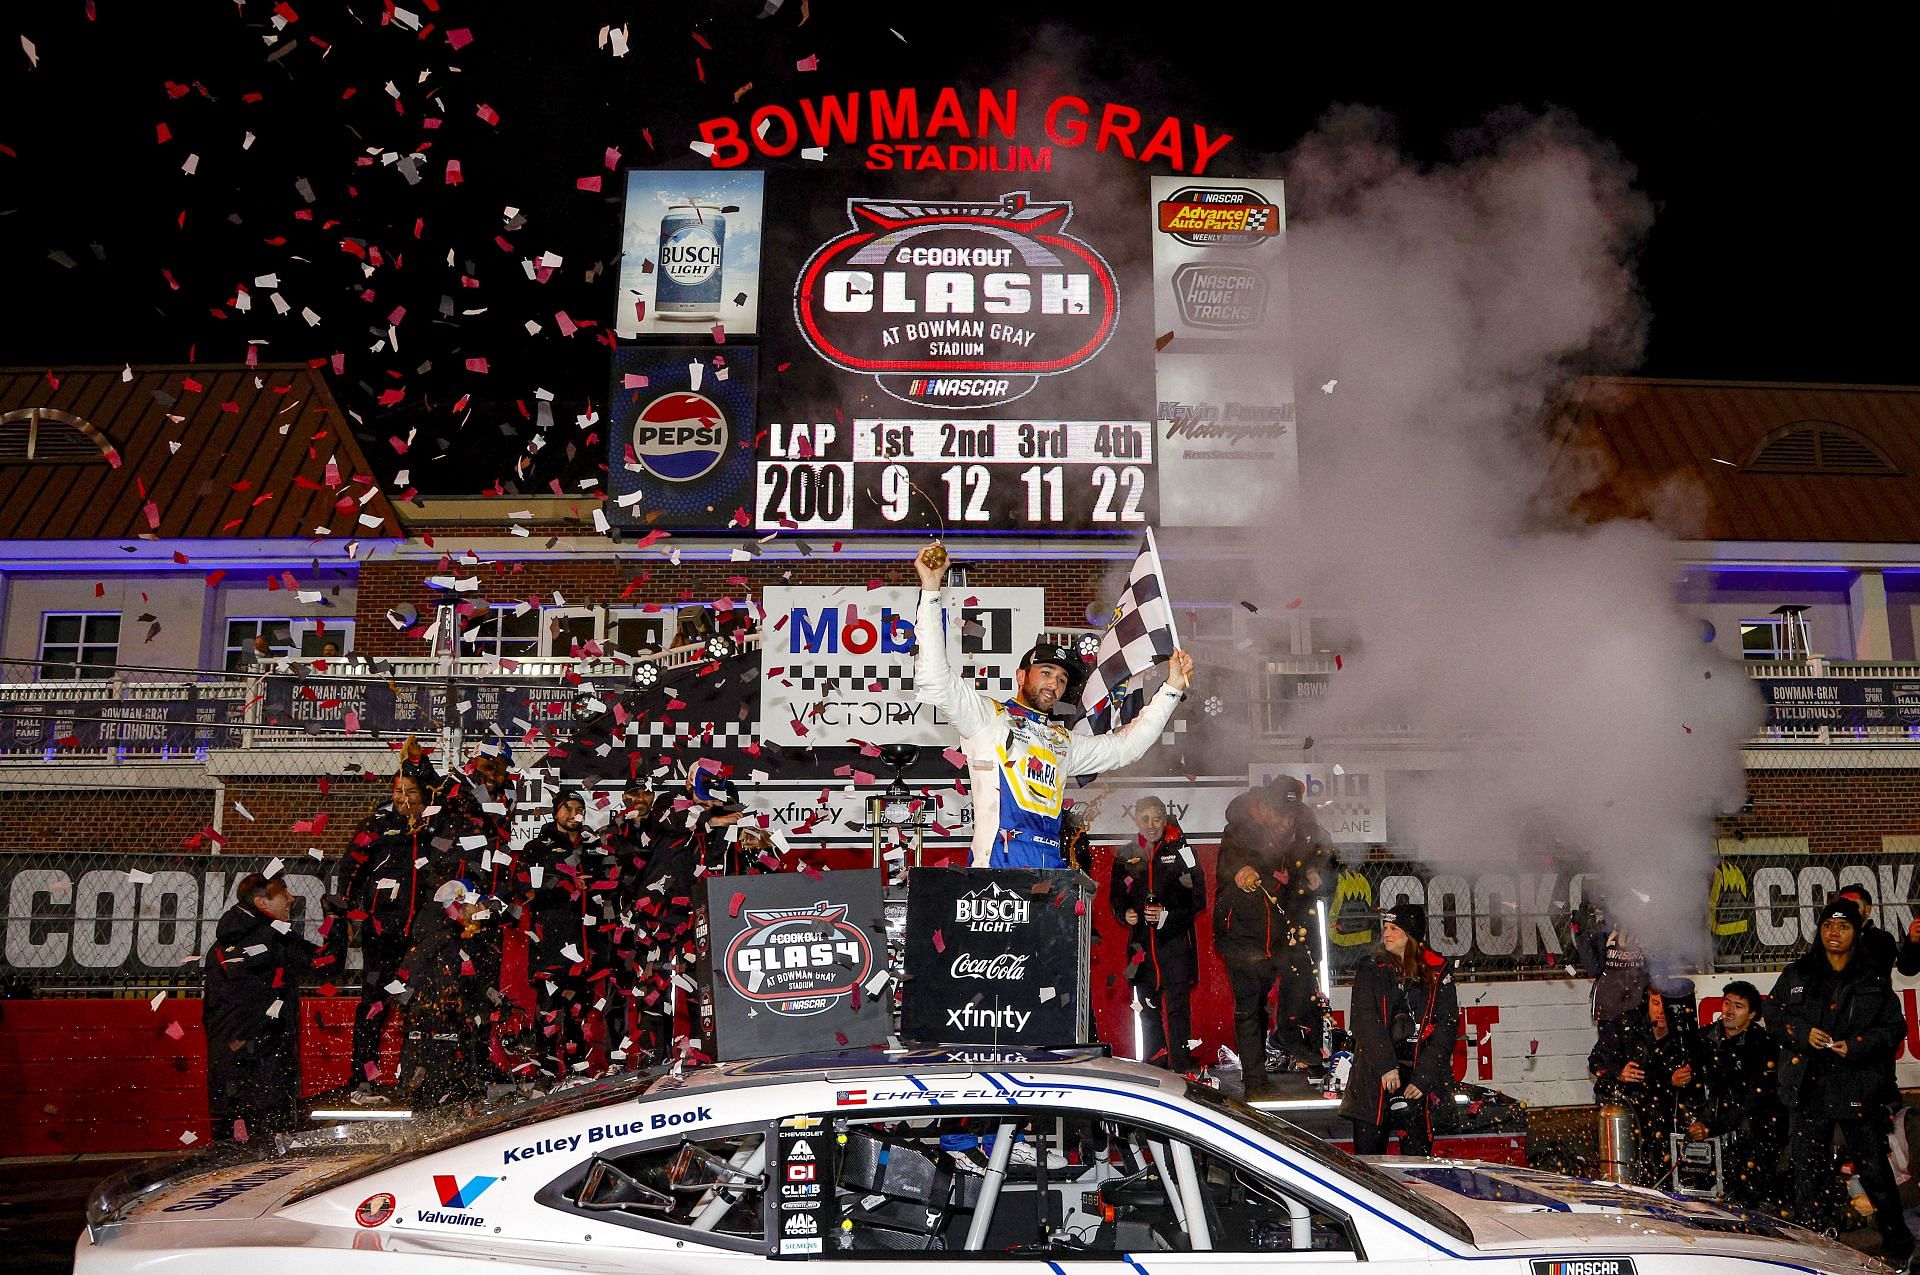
(1748, 461)
(262, 453)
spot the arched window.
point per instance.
(49, 436)
(1819, 447)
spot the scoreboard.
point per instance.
(964, 475)
(836, 351)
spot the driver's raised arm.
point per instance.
(934, 681)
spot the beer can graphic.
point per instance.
(693, 245)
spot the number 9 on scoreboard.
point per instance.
(805, 495)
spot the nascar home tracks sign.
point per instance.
(788, 962)
(997, 956)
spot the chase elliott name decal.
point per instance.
(957, 302)
(798, 961)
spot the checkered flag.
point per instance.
(1140, 636)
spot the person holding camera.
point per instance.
(1405, 1020)
(1644, 1058)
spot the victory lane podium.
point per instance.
(997, 956)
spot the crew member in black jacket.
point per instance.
(1405, 1021)
(1250, 931)
(1739, 1100)
(1645, 1058)
(572, 886)
(252, 1010)
(1841, 1020)
(1157, 891)
(391, 874)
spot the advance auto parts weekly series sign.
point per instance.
(788, 962)
(957, 303)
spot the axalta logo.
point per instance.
(679, 437)
(454, 1195)
(798, 961)
(1229, 215)
(833, 629)
(965, 302)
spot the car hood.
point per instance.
(1511, 1209)
(223, 1192)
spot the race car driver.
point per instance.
(1018, 761)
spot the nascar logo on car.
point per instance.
(962, 303)
(798, 961)
(679, 436)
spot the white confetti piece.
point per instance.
(1046, 995)
(136, 877)
(33, 60)
(694, 371)
(273, 1010)
(154, 1004)
(189, 1138)
(246, 814)
(1328, 387)
(276, 865)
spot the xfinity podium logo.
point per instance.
(993, 910)
(958, 302)
(1007, 1019)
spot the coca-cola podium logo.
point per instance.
(1007, 967)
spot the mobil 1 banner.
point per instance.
(996, 956)
(74, 916)
(790, 962)
(837, 663)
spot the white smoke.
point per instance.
(1450, 306)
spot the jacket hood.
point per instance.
(240, 921)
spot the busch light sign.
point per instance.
(837, 663)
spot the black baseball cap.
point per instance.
(1061, 658)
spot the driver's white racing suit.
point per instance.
(1017, 761)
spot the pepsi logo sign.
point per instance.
(680, 436)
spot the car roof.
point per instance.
(920, 1061)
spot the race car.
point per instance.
(1058, 1162)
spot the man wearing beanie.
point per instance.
(1842, 1022)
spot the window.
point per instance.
(716, 1186)
(1760, 639)
(1073, 1186)
(51, 437)
(78, 645)
(314, 640)
(507, 631)
(1819, 447)
(240, 635)
(1784, 635)
(639, 632)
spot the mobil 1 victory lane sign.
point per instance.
(996, 956)
(788, 962)
(837, 663)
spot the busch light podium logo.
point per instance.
(957, 303)
(678, 418)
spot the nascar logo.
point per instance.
(1586, 1266)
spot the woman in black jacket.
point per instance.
(1405, 1020)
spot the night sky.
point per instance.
(1782, 246)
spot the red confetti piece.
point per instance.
(175, 1031)
(939, 941)
(811, 62)
(587, 183)
(478, 364)
(733, 907)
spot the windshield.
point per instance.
(1328, 1156)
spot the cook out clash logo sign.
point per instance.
(955, 302)
(798, 961)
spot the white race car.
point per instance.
(1056, 1162)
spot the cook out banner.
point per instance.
(79, 916)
